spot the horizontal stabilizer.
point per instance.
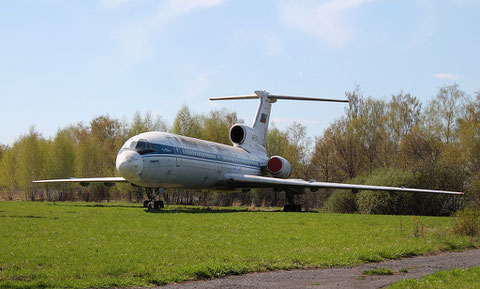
(274, 97)
(251, 96)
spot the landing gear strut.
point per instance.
(291, 205)
(154, 201)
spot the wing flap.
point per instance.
(265, 182)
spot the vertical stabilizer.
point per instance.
(260, 123)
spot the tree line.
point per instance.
(399, 141)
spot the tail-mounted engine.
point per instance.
(243, 136)
(239, 133)
(279, 167)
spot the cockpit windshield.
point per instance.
(143, 146)
(140, 146)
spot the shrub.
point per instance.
(377, 202)
(341, 202)
(374, 202)
(466, 222)
(399, 203)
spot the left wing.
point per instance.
(252, 181)
(85, 181)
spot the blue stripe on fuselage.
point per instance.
(161, 149)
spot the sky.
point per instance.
(64, 62)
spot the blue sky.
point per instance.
(62, 62)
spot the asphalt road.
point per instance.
(345, 277)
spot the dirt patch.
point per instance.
(345, 277)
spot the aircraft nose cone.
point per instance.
(129, 165)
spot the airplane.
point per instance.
(160, 160)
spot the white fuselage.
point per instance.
(160, 159)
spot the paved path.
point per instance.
(345, 277)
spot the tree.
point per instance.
(30, 161)
(276, 143)
(297, 150)
(349, 155)
(64, 153)
(186, 124)
(216, 126)
(444, 111)
(7, 171)
(322, 164)
(146, 123)
(3, 148)
(469, 139)
(404, 113)
(372, 133)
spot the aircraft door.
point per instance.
(178, 157)
(178, 151)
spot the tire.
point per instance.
(292, 208)
(158, 205)
(297, 208)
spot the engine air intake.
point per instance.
(279, 167)
(237, 134)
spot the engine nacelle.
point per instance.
(239, 133)
(279, 167)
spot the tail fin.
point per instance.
(262, 118)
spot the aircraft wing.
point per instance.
(84, 181)
(252, 181)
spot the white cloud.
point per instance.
(327, 20)
(136, 38)
(446, 76)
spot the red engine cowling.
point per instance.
(279, 167)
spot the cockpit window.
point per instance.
(143, 144)
(143, 147)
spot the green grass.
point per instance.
(112, 245)
(455, 278)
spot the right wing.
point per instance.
(108, 181)
(252, 181)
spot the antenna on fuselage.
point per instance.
(260, 123)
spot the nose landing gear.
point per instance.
(154, 199)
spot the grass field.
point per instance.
(455, 278)
(105, 245)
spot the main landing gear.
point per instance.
(154, 201)
(291, 205)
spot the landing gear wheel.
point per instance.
(292, 208)
(291, 205)
(158, 205)
(151, 205)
